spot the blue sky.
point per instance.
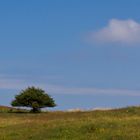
(84, 53)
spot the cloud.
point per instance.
(16, 82)
(19, 83)
(118, 31)
(92, 91)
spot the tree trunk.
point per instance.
(35, 110)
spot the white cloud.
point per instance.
(7, 82)
(16, 82)
(118, 31)
(92, 91)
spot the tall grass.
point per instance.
(119, 124)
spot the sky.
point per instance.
(84, 53)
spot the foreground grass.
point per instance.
(118, 124)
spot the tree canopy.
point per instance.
(34, 98)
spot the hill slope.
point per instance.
(119, 124)
(7, 109)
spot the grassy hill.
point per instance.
(117, 124)
(6, 109)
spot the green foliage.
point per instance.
(34, 98)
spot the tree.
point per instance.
(34, 98)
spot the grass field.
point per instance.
(119, 124)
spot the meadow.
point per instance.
(117, 124)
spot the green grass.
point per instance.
(119, 124)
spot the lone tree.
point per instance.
(34, 98)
